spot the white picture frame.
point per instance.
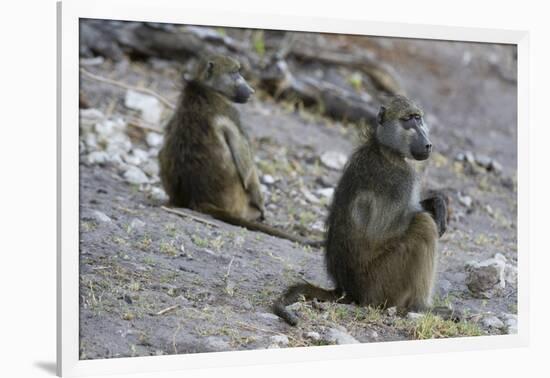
(69, 13)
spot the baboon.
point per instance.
(206, 162)
(381, 238)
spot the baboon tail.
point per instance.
(293, 294)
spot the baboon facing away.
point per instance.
(381, 238)
(206, 162)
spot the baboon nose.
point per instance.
(429, 147)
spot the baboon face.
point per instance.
(221, 74)
(401, 127)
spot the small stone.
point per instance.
(154, 140)
(414, 316)
(496, 166)
(149, 106)
(334, 160)
(100, 217)
(134, 175)
(158, 194)
(151, 167)
(136, 224)
(217, 344)
(483, 277)
(466, 201)
(391, 311)
(268, 315)
(492, 321)
(484, 161)
(326, 192)
(312, 335)
(309, 196)
(337, 336)
(92, 114)
(98, 157)
(108, 127)
(279, 340)
(466, 156)
(268, 180)
(511, 323)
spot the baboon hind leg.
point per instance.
(404, 275)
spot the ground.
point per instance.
(153, 282)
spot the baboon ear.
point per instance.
(381, 114)
(209, 69)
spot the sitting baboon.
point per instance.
(381, 238)
(206, 162)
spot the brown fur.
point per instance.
(381, 242)
(206, 163)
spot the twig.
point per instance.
(135, 122)
(102, 79)
(187, 215)
(229, 268)
(167, 309)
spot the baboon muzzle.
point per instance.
(243, 93)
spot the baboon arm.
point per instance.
(242, 158)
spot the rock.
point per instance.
(328, 193)
(496, 166)
(154, 140)
(279, 340)
(444, 287)
(268, 180)
(312, 335)
(334, 160)
(466, 201)
(491, 321)
(414, 316)
(216, 344)
(149, 106)
(136, 224)
(309, 196)
(158, 194)
(151, 167)
(467, 156)
(486, 276)
(337, 336)
(134, 175)
(100, 217)
(98, 157)
(511, 274)
(484, 161)
(109, 127)
(268, 315)
(511, 323)
(92, 114)
(391, 311)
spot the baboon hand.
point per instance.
(437, 206)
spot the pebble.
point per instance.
(309, 196)
(217, 344)
(108, 127)
(325, 192)
(334, 160)
(484, 161)
(158, 194)
(92, 114)
(466, 201)
(414, 316)
(268, 315)
(134, 175)
(492, 321)
(100, 217)
(391, 311)
(337, 336)
(98, 157)
(268, 180)
(279, 340)
(483, 277)
(312, 335)
(154, 140)
(136, 224)
(151, 167)
(511, 323)
(149, 107)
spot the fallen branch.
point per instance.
(187, 215)
(167, 309)
(119, 84)
(135, 122)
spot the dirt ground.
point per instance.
(154, 283)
